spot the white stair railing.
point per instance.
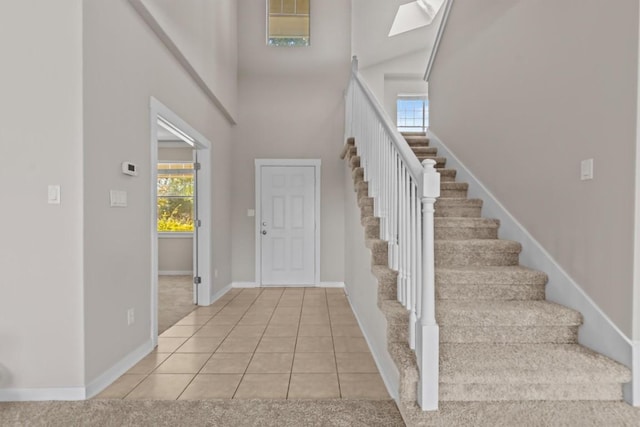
(404, 192)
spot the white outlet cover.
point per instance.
(251, 212)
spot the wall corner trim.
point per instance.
(598, 331)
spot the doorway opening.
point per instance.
(180, 218)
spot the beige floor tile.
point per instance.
(346, 331)
(307, 330)
(200, 345)
(281, 331)
(254, 320)
(284, 320)
(334, 291)
(287, 311)
(169, 345)
(193, 320)
(314, 320)
(290, 303)
(211, 386)
(314, 386)
(121, 387)
(248, 331)
(343, 319)
(180, 331)
(210, 310)
(350, 344)
(213, 330)
(356, 363)
(225, 320)
(263, 386)
(270, 363)
(276, 345)
(227, 363)
(187, 363)
(161, 387)
(362, 386)
(149, 363)
(314, 363)
(314, 345)
(239, 345)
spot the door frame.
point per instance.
(259, 163)
(204, 290)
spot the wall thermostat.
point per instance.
(129, 168)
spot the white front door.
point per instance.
(287, 225)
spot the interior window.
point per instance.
(288, 23)
(412, 113)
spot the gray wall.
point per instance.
(522, 91)
(124, 65)
(291, 106)
(41, 314)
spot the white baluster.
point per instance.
(412, 288)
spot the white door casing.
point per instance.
(287, 222)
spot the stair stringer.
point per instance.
(598, 332)
(397, 317)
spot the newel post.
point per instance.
(428, 335)
(354, 64)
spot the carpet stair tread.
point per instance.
(527, 363)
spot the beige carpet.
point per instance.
(345, 413)
(175, 300)
(230, 413)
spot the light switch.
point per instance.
(586, 169)
(118, 198)
(251, 212)
(53, 195)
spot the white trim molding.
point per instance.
(219, 294)
(632, 390)
(41, 394)
(331, 285)
(175, 273)
(317, 165)
(243, 285)
(598, 332)
(113, 373)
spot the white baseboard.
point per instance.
(41, 394)
(383, 368)
(331, 285)
(632, 390)
(175, 273)
(598, 332)
(244, 285)
(113, 373)
(78, 393)
(215, 297)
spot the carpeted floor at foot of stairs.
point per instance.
(500, 341)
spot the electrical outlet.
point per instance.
(215, 273)
(130, 317)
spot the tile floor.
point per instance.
(277, 343)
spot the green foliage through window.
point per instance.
(175, 197)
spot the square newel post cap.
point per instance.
(430, 179)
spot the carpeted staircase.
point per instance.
(500, 340)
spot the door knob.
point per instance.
(264, 232)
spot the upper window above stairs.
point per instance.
(288, 23)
